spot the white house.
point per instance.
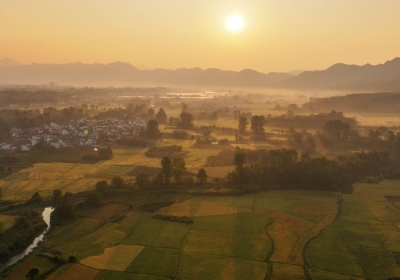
(26, 147)
(5, 146)
(55, 144)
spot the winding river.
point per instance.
(46, 217)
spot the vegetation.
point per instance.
(27, 226)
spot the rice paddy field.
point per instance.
(277, 235)
(78, 177)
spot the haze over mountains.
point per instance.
(381, 77)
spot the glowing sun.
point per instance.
(234, 23)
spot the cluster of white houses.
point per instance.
(81, 133)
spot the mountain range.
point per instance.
(337, 77)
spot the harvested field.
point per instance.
(116, 258)
(286, 223)
(195, 208)
(284, 244)
(73, 272)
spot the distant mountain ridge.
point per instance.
(381, 77)
(384, 76)
(121, 73)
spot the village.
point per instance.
(81, 133)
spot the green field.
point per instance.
(249, 236)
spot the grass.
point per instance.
(73, 272)
(199, 266)
(156, 261)
(158, 233)
(235, 245)
(249, 222)
(116, 258)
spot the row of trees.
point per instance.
(286, 168)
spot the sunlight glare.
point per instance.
(235, 23)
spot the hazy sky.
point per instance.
(279, 35)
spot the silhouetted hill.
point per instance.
(351, 77)
(382, 77)
(8, 62)
(120, 73)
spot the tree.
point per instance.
(257, 125)
(152, 130)
(214, 115)
(166, 164)
(101, 186)
(184, 107)
(92, 199)
(150, 113)
(65, 209)
(337, 130)
(202, 176)
(178, 167)
(186, 120)
(35, 198)
(1, 193)
(242, 124)
(57, 196)
(161, 116)
(239, 158)
(117, 182)
(33, 273)
(143, 181)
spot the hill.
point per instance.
(120, 73)
(381, 77)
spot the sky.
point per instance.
(278, 35)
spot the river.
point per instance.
(46, 217)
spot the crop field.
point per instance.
(116, 258)
(74, 272)
(364, 237)
(43, 264)
(272, 235)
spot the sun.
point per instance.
(234, 23)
